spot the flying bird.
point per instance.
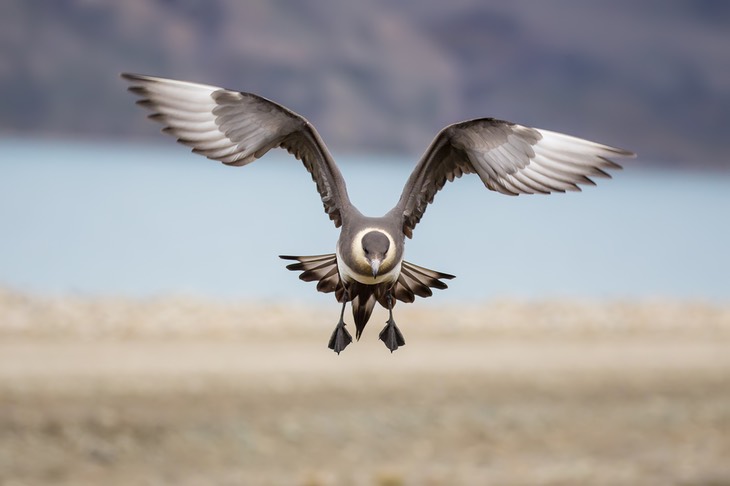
(367, 266)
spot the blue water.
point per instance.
(140, 220)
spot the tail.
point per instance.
(413, 281)
(418, 281)
(318, 268)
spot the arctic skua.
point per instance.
(367, 266)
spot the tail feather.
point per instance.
(317, 268)
(414, 281)
(433, 277)
(329, 282)
(402, 291)
(362, 307)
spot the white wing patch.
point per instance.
(232, 127)
(554, 163)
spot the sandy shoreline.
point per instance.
(192, 392)
(177, 316)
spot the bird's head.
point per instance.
(375, 246)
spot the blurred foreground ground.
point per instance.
(192, 392)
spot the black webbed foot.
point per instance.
(391, 336)
(340, 338)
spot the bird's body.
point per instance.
(367, 266)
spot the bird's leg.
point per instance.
(391, 335)
(340, 337)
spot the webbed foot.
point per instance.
(391, 336)
(340, 338)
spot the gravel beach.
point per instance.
(182, 390)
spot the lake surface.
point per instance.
(142, 220)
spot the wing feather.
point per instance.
(509, 158)
(236, 128)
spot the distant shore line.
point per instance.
(37, 316)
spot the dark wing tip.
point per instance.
(607, 163)
(625, 153)
(138, 90)
(134, 77)
(145, 103)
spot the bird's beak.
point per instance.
(375, 265)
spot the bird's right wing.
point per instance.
(236, 128)
(508, 158)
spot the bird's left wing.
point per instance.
(508, 158)
(236, 128)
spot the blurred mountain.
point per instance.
(652, 76)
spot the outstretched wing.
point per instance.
(509, 158)
(236, 128)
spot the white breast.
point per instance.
(347, 274)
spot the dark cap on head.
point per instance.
(375, 244)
